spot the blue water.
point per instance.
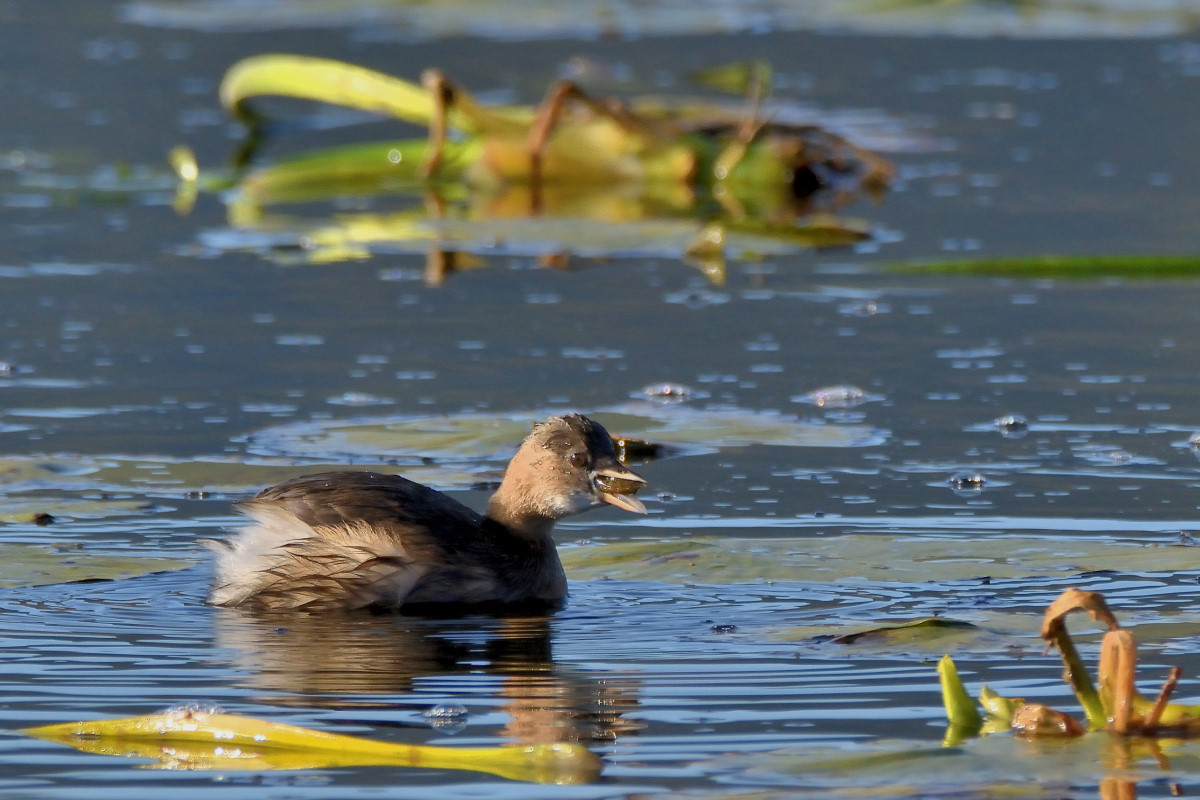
(155, 367)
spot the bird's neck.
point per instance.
(518, 515)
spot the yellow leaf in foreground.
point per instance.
(200, 740)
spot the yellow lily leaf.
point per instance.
(202, 740)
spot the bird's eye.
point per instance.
(579, 460)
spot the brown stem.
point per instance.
(1164, 696)
(442, 94)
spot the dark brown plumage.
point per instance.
(367, 539)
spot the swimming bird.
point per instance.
(347, 540)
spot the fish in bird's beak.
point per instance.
(617, 485)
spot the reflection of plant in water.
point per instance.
(575, 174)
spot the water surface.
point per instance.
(153, 374)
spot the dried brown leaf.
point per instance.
(1039, 720)
(1073, 599)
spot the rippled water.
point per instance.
(831, 461)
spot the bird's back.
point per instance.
(357, 539)
(333, 499)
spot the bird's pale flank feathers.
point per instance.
(280, 563)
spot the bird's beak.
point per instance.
(617, 485)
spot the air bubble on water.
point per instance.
(863, 308)
(359, 399)
(300, 340)
(667, 392)
(841, 396)
(1111, 455)
(967, 482)
(1012, 426)
(447, 717)
(191, 708)
(593, 353)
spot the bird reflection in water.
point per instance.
(356, 660)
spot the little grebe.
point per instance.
(345, 540)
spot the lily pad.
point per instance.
(57, 486)
(18, 473)
(985, 632)
(40, 565)
(46, 508)
(233, 477)
(707, 430)
(938, 630)
(865, 558)
(82, 487)
(494, 437)
(925, 638)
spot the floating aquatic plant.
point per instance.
(571, 136)
(195, 739)
(1068, 267)
(573, 175)
(1111, 704)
